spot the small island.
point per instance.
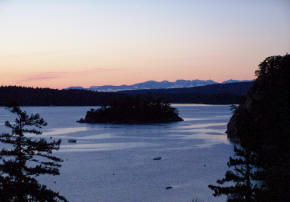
(133, 110)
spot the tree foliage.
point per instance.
(243, 178)
(23, 157)
(261, 127)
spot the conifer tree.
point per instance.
(23, 157)
(260, 125)
(243, 178)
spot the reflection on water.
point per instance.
(62, 131)
(213, 139)
(202, 125)
(98, 136)
(192, 131)
(206, 118)
(103, 146)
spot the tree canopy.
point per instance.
(260, 126)
(133, 110)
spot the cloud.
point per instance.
(97, 70)
(55, 75)
(43, 76)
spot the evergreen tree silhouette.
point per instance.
(260, 126)
(23, 157)
(243, 176)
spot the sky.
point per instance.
(62, 43)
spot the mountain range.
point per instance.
(154, 85)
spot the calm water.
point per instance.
(115, 162)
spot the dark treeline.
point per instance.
(24, 96)
(260, 127)
(211, 94)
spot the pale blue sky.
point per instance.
(58, 43)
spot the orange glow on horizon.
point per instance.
(119, 43)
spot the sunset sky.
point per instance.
(61, 43)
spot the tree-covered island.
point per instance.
(133, 110)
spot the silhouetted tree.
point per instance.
(24, 157)
(261, 126)
(243, 178)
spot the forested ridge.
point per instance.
(26, 96)
(211, 94)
